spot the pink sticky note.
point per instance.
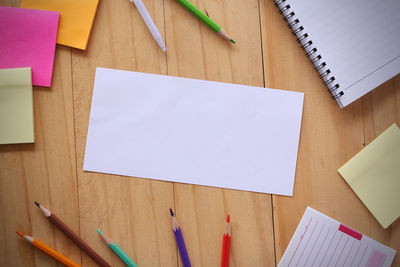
(28, 39)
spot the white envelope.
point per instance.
(194, 131)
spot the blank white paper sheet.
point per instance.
(194, 131)
(322, 241)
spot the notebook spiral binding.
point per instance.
(307, 45)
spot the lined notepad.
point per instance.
(374, 175)
(321, 241)
(355, 45)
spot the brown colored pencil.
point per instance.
(74, 237)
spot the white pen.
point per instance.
(149, 23)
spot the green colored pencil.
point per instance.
(206, 20)
(117, 250)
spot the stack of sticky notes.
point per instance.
(16, 106)
(28, 39)
(76, 19)
(374, 175)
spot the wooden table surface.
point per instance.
(133, 211)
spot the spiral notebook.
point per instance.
(354, 45)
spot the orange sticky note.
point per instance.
(76, 19)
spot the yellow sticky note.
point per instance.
(16, 106)
(374, 175)
(76, 19)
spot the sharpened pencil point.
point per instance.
(228, 219)
(21, 234)
(232, 41)
(98, 231)
(37, 204)
(172, 213)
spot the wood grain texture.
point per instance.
(133, 211)
(195, 51)
(43, 172)
(381, 108)
(329, 137)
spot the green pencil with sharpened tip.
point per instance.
(117, 250)
(206, 20)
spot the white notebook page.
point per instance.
(321, 241)
(359, 40)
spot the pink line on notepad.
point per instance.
(335, 249)
(345, 244)
(307, 244)
(327, 233)
(327, 249)
(355, 255)
(316, 240)
(348, 254)
(350, 232)
(362, 257)
(301, 239)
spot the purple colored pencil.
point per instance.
(179, 241)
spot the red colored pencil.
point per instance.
(226, 244)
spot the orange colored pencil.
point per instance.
(49, 251)
(71, 235)
(226, 244)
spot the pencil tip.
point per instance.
(172, 213)
(21, 234)
(232, 41)
(98, 231)
(37, 204)
(228, 219)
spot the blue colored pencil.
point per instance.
(179, 240)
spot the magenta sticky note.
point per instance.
(28, 39)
